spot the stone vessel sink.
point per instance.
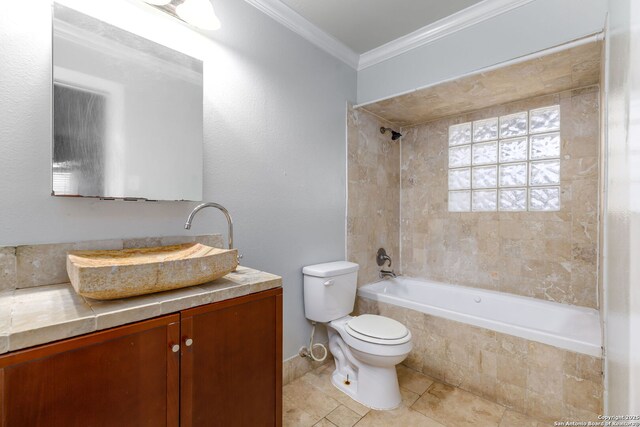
(130, 272)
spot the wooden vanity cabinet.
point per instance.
(118, 377)
(231, 375)
(226, 372)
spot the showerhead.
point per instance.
(394, 135)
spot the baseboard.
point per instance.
(296, 366)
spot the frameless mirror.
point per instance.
(127, 114)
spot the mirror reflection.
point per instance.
(127, 114)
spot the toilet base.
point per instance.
(372, 380)
(340, 382)
(382, 397)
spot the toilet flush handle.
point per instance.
(329, 282)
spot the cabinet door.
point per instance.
(231, 374)
(126, 376)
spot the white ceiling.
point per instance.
(363, 25)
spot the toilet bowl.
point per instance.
(366, 365)
(366, 348)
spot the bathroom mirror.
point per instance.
(127, 114)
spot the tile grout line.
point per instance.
(435, 381)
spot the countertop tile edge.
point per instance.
(228, 287)
(55, 332)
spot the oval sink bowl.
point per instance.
(130, 272)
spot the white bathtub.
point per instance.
(565, 326)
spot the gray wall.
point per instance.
(275, 144)
(622, 211)
(535, 26)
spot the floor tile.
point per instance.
(402, 416)
(457, 408)
(309, 399)
(313, 401)
(408, 397)
(343, 417)
(413, 380)
(293, 416)
(516, 419)
(320, 378)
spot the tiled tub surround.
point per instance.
(564, 326)
(547, 255)
(576, 67)
(374, 193)
(38, 305)
(536, 379)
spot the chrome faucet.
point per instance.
(381, 259)
(224, 210)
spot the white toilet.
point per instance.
(366, 348)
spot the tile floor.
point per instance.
(312, 401)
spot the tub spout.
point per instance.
(382, 258)
(387, 273)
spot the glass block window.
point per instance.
(509, 163)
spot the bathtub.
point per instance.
(561, 325)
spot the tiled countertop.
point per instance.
(43, 314)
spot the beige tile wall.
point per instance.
(571, 68)
(373, 207)
(46, 264)
(8, 276)
(539, 380)
(547, 255)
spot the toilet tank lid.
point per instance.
(329, 269)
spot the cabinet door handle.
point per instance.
(175, 348)
(188, 342)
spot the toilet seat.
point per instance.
(378, 329)
(367, 344)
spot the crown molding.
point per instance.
(298, 24)
(472, 15)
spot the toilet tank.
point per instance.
(329, 290)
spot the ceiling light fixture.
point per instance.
(198, 13)
(158, 2)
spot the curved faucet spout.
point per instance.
(224, 210)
